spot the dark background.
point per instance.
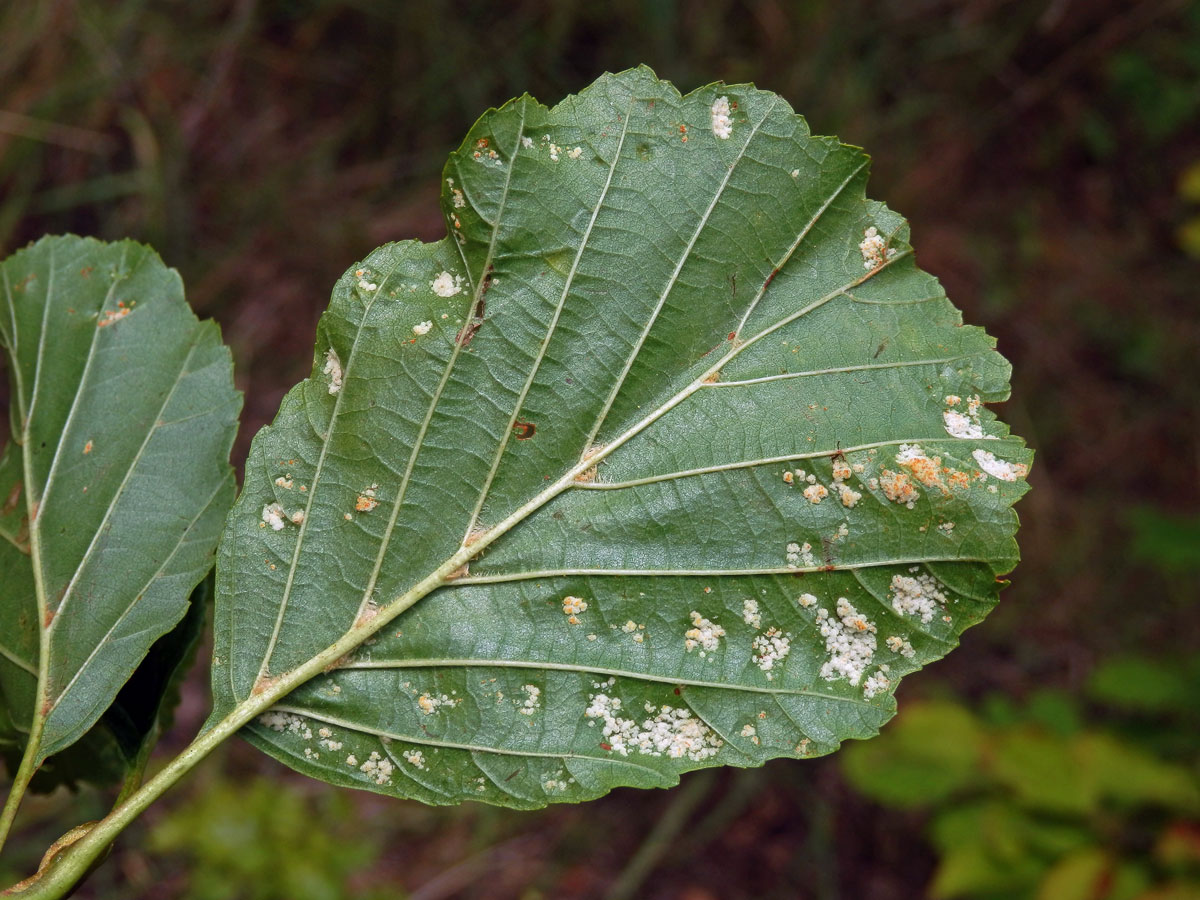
(1047, 155)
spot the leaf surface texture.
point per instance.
(623, 476)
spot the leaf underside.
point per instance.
(114, 486)
(661, 367)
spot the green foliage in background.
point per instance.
(266, 840)
(1028, 801)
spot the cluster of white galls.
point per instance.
(670, 732)
(917, 596)
(849, 641)
(722, 120)
(874, 249)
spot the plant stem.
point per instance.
(25, 773)
(67, 869)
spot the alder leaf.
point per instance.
(572, 496)
(116, 480)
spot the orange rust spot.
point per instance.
(49, 617)
(264, 684)
(87, 448)
(464, 569)
(712, 378)
(113, 315)
(731, 335)
(587, 476)
(481, 143)
(896, 486)
(33, 514)
(926, 471)
(475, 535)
(524, 430)
(86, 271)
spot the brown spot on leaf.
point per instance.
(524, 430)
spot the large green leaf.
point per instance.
(669, 364)
(116, 481)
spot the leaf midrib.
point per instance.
(708, 573)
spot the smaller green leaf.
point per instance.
(114, 484)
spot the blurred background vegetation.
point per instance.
(1048, 156)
